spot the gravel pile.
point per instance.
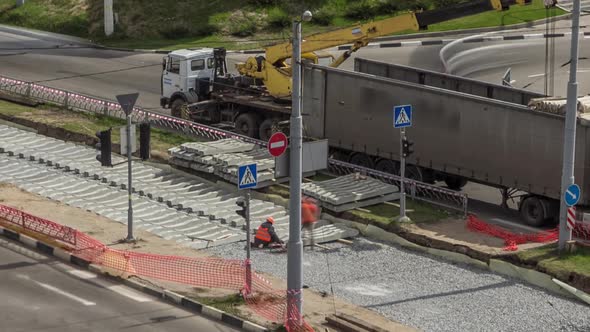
(425, 292)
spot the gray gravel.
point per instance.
(425, 292)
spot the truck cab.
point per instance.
(186, 75)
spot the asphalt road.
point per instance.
(42, 294)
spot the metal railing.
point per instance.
(417, 190)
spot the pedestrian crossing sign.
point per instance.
(402, 116)
(247, 176)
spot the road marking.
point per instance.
(536, 75)
(82, 274)
(412, 43)
(122, 290)
(66, 294)
(517, 225)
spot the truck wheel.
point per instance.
(246, 125)
(362, 160)
(176, 108)
(455, 182)
(533, 211)
(266, 129)
(387, 166)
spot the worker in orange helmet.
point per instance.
(309, 216)
(266, 235)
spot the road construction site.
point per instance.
(418, 290)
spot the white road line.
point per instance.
(412, 43)
(517, 225)
(536, 75)
(66, 294)
(125, 291)
(83, 274)
(534, 36)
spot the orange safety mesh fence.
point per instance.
(211, 272)
(38, 225)
(512, 240)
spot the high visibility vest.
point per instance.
(308, 212)
(263, 234)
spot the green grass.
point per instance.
(9, 108)
(387, 214)
(516, 14)
(547, 258)
(227, 304)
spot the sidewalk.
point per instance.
(316, 306)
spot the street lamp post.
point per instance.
(569, 147)
(295, 252)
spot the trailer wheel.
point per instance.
(246, 125)
(414, 173)
(176, 107)
(362, 160)
(387, 166)
(266, 129)
(455, 182)
(533, 211)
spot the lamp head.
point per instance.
(306, 17)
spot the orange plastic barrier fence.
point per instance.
(512, 240)
(210, 272)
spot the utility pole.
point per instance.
(571, 116)
(295, 246)
(127, 102)
(109, 25)
(20, 3)
(402, 200)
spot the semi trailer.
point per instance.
(463, 130)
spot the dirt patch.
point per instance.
(110, 232)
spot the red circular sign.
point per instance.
(277, 144)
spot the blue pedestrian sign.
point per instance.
(247, 176)
(572, 195)
(402, 116)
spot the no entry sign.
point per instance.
(277, 144)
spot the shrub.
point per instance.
(361, 10)
(324, 16)
(278, 18)
(174, 31)
(242, 25)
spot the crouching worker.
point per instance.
(266, 235)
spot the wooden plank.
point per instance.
(345, 241)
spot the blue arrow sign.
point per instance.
(247, 176)
(402, 116)
(572, 195)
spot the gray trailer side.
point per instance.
(495, 142)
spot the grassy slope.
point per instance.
(182, 20)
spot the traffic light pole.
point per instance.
(129, 183)
(402, 198)
(248, 245)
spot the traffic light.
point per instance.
(104, 147)
(407, 149)
(243, 208)
(144, 140)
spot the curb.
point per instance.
(166, 295)
(466, 40)
(533, 277)
(388, 38)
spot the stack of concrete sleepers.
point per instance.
(223, 157)
(350, 191)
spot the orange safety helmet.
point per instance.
(270, 220)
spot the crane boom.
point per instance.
(276, 73)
